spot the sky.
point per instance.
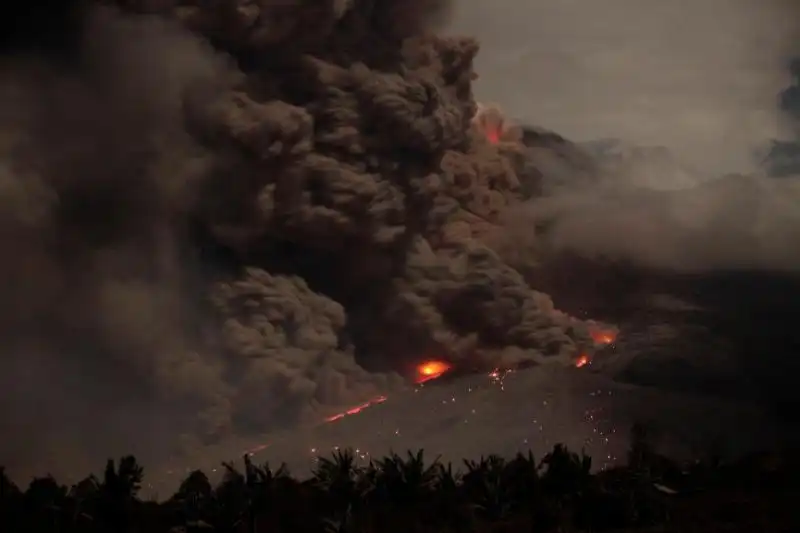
(698, 76)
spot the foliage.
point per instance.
(408, 493)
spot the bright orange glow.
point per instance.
(603, 336)
(492, 134)
(431, 370)
(357, 409)
(582, 361)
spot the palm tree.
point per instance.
(565, 483)
(522, 481)
(407, 482)
(232, 498)
(484, 487)
(338, 475)
(566, 473)
(399, 490)
(263, 485)
(448, 500)
(341, 480)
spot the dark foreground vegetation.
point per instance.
(404, 493)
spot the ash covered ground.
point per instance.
(505, 413)
(226, 222)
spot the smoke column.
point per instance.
(224, 218)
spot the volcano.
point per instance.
(231, 224)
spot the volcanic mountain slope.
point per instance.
(699, 275)
(728, 331)
(507, 412)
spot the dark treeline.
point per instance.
(407, 493)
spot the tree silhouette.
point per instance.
(8, 488)
(406, 481)
(83, 496)
(484, 487)
(339, 477)
(404, 493)
(194, 500)
(232, 498)
(117, 492)
(45, 499)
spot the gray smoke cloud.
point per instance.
(95, 165)
(690, 88)
(735, 222)
(224, 219)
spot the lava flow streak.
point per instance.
(357, 409)
(425, 372)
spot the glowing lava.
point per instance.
(603, 336)
(492, 123)
(425, 372)
(582, 361)
(431, 370)
(492, 134)
(357, 409)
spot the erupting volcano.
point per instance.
(226, 220)
(431, 370)
(602, 336)
(582, 361)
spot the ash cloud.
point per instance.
(225, 218)
(693, 91)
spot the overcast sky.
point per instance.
(699, 76)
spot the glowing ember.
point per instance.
(493, 135)
(357, 409)
(603, 336)
(491, 121)
(431, 370)
(582, 361)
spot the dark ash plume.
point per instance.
(220, 218)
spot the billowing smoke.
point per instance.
(221, 218)
(691, 89)
(735, 222)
